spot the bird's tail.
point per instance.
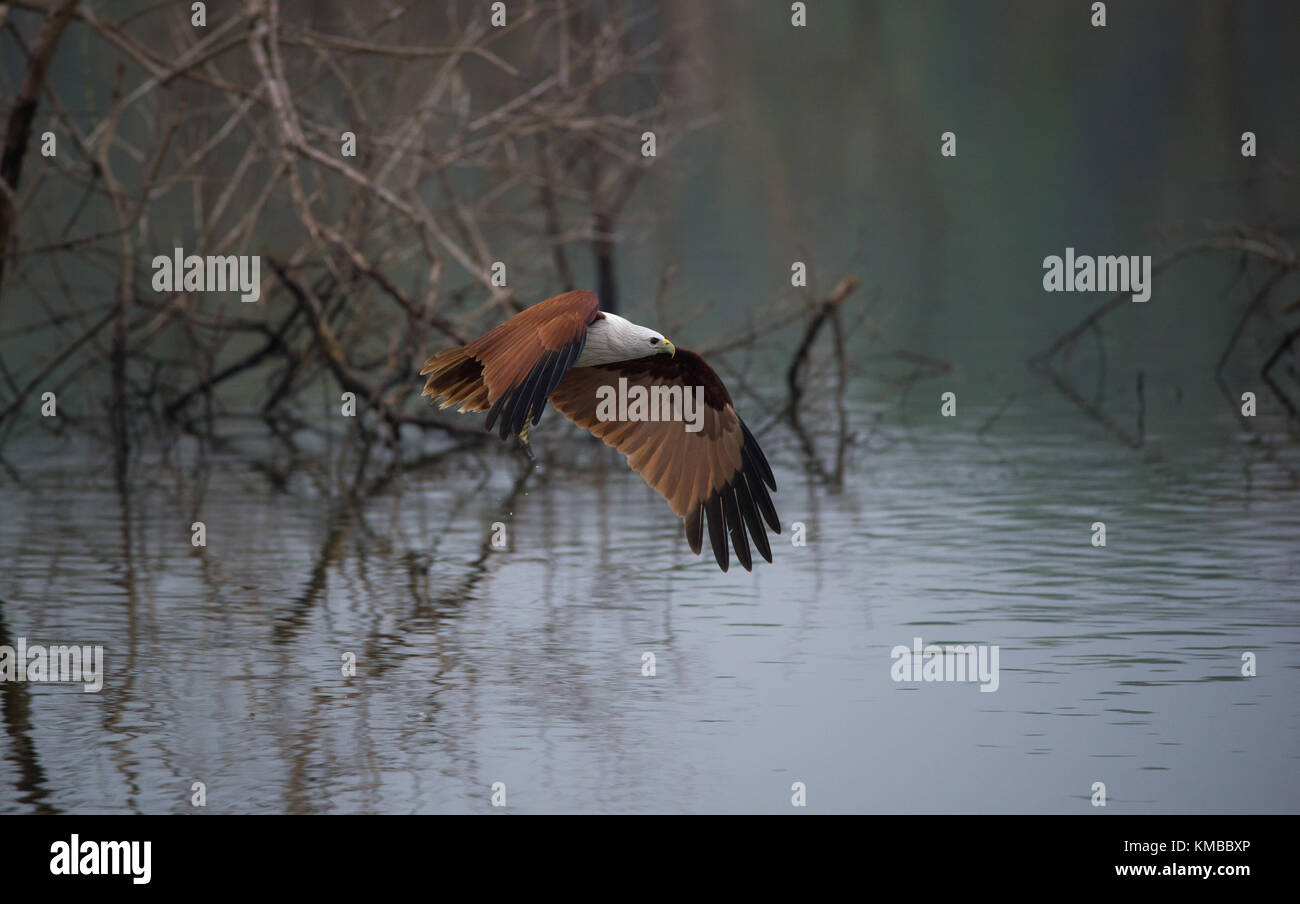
(456, 378)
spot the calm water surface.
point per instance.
(523, 665)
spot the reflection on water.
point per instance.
(523, 665)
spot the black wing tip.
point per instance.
(736, 527)
(755, 454)
(529, 397)
(740, 505)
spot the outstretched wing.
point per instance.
(510, 370)
(718, 472)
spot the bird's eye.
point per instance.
(654, 341)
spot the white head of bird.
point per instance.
(614, 338)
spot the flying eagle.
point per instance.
(568, 351)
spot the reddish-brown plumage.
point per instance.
(718, 474)
(519, 362)
(719, 471)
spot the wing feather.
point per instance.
(745, 497)
(695, 529)
(717, 531)
(510, 370)
(735, 527)
(715, 476)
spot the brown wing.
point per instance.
(510, 370)
(719, 471)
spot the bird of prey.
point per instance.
(566, 350)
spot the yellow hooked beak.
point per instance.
(670, 348)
